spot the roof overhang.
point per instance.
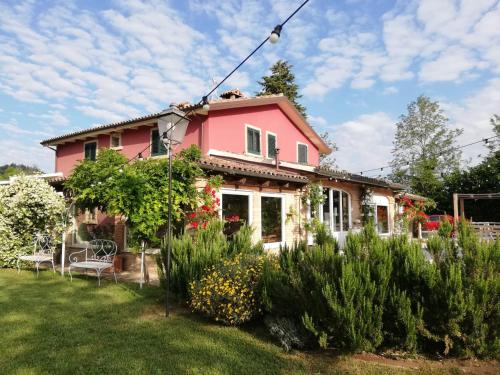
(284, 104)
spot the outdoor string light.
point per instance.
(485, 140)
(272, 38)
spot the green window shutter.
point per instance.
(253, 141)
(90, 150)
(271, 146)
(302, 150)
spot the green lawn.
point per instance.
(51, 326)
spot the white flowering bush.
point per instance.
(28, 206)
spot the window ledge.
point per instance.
(117, 148)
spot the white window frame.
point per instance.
(273, 245)
(120, 146)
(247, 193)
(307, 153)
(330, 200)
(267, 143)
(96, 141)
(247, 126)
(382, 201)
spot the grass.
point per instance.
(51, 326)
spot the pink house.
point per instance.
(266, 152)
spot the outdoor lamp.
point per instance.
(172, 126)
(275, 34)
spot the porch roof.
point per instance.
(243, 168)
(352, 177)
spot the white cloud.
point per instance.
(390, 90)
(27, 153)
(365, 142)
(449, 66)
(473, 116)
(441, 40)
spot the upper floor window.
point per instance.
(157, 147)
(253, 140)
(302, 153)
(90, 150)
(115, 140)
(271, 145)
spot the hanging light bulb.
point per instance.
(275, 34)
(206, 106)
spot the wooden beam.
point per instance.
(455, 209)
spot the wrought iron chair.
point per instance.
(43, 251)
(98, 255)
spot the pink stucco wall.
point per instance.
(133, 141)
(226, 132)
(222, 130)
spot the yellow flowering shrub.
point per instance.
(228, 292)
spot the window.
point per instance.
(115, 140)
(272, 219)
(235, 211)
(336, 210)
(271, 145)
(382, 219)
(302, 153)
(381, 204)
(253, 140)
(90, 150)
(157, 147)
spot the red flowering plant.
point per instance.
(413, 210)
(209, 203)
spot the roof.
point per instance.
(217, 104)
(238, 167)
(414, 197)
(347, 176)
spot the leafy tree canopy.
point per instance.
(424, 147)
(137, 191)
(9, 170)
(282, 81)
(482, 178)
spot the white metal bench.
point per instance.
(98, 255)
(43, 251)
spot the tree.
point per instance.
(328, 160)
(28, 205)
(282, 81)
(424, 148)
(9, 170)
(137, 191)
(482, 178)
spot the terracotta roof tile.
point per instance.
(244, 168)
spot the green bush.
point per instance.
(228, 291)
(28, 206)
(385, 293)
(197, 250)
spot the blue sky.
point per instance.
(68, 65)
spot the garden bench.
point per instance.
(99, 255)
(43, 251)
